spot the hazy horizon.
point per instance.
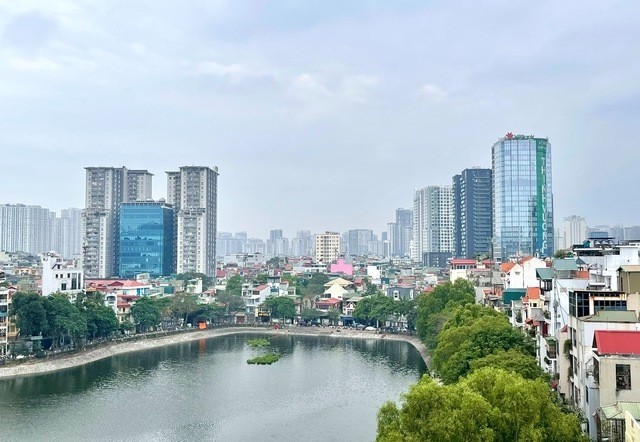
(320, 116)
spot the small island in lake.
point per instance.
(267, 359)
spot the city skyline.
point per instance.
(216, 84)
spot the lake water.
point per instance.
(322, 389)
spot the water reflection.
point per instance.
(205, 390)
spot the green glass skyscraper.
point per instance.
(522, 197)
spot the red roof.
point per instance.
(507, 266)
(461, 261)
(533, 292)
(617, 342)
(329, 301)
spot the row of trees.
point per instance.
(490, 387)
(61, 322)
(377, 308)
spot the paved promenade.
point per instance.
(37, 366)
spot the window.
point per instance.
(623, 377)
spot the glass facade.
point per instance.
(522, 197)
(146, 239)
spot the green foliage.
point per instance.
(513, 361)
(309, 314)
(261, 278)
(234, 286)
(333, 315)
(233, 303)
(101, 320)
(458, 346)
(267, 359)
(146, 313)
(207, 281)
(371, 290)
(315, 285)
(281, 307)
(259, 342)
(374, 308)
(65, 319)
(489, 405)
(31, 313)
(562, 254)
(447, 296)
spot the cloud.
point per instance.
(432, 93)
(233, 72)
(307, 87)
(359, 88)
(29, 31)
(34, 64)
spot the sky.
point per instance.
(321, 115)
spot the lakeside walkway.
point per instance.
(37, 366)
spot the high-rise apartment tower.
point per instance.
(472, 213)
(193, 192)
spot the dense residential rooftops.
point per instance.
(617, 342)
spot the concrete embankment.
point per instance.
(36, 366)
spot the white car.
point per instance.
(370, 328)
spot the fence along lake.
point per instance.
(322, 389)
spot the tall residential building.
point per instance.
(327, 248)
(193, 192)
(574, 231)
(106, 189)
(146, 239)
(67, 233)
(25, 228)
(358, 241)
(432, 225)
(401, 233)
(522, 197)
(473, 222)
(277, 244)
(302, 244)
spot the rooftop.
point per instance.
(612, 316)
(617, 342)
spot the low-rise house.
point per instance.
(616, 372)
(404, 292)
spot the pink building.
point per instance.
(341, 267)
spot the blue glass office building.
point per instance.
(522, 197)
(146, 239)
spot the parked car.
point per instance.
(360, 327)
(370, 328)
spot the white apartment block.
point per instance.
(432, 221)
(574, 231)
(327, 248)
(193, 192)
(61, 276)
(106, 188)
(25, 228)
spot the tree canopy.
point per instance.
(146, 313)
(281, 307)
(489, 405)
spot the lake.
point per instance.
(322, 389)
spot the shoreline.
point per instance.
(37, 367)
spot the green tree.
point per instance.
(433, 412)
(234, 285)
(31, 314)
(184, 306)
(489, 405)
(66, 320)
(233, 303)
(101, 320)
(459, 346)
(374, 308)
(333, 315)
(511, 360)
(207, 281)
(447, 296)
(146, 313)
(261, 278)
(281, 307)
(315, 286)
(309, 314)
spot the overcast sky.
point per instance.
(320, 115)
